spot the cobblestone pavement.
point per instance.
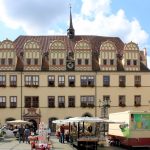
(13, 144)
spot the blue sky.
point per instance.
(127, 19)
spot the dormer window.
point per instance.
(86, 61)
(134, 62)
(2, 61)
(104, 61)
(53, 61)
(28, 61)
(61, 61)
(10, 61)
(35, 61)
(111, 62)
(128, 62)
(79, 61)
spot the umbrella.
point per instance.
(19, 122)
(85, 119)
(60, 121)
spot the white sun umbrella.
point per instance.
(60, 121)
(85, 119)
(23, 122)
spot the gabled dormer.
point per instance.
(32, 56)
(131, 57)
(8, 58)
(83, 55)
(108, 57)
(57, 55)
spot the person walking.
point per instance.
(62, 131)
(48, 134)
(26, 134)
(21, 134)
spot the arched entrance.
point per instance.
(87, 115)
(10, 119)
(31, 115)
(52, 126)
(34, 125)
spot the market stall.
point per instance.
(40, 142)
(83, 132)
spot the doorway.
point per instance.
(34, 125)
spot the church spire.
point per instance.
(70, 31)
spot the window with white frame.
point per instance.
(84, 80)
(2, 101)
(13, 101)
(32, 80)
(71, 101)
(122, 101)
(137, 81)
(13, 80)
(51, 101)
(122, 81)
(31, 101)
(2, 80)
(61, 101)
(61, 81)
(106, 81)
(51, 81)
(137, 100)
(87, 101)
(71, 81)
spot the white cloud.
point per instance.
(94, 18)
(34, 16)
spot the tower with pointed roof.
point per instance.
(70, 30)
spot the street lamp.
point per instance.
(104, 113)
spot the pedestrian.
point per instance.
(48, 134)
(21, 134)
(62, 131)
(27, 134)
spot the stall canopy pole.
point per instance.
(78, 129)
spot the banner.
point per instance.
(140, 121)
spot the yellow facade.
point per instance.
(83, 56)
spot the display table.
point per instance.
(87, 142)
(42, 146)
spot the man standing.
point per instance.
(21, 134)
(27, 133)
(62, 131)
